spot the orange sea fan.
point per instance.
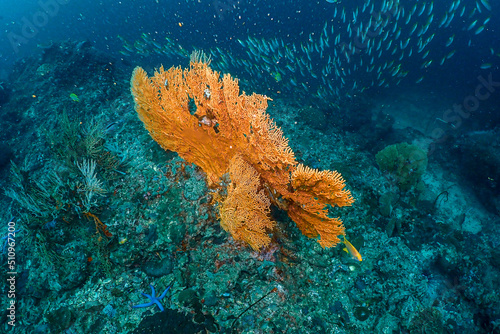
(206, 120)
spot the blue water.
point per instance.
(219, 23)
(347, 80)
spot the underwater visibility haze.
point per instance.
(227, 166)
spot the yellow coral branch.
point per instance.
(245, 211)
(327, 186)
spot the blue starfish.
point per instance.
(153, 298)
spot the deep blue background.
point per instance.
(210, 23)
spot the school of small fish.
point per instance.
(375, 45)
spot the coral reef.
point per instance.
(405, 162)
(426, 267)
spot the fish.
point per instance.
(450, 40)
(471, 25)
(413, 29)
(276, 76)
(462, 12)
(486, 4)
(424, 30)
(412, 11)
(472, 13)
(486, 66)
(449, 20)
(430, 8)
(426, 64)
(128, 48)
(351, 250)
(398, 33)
(408, 18)
(429, 21)
(443, 20)
(366, 41)
(388, 45)
(452, 7)
(74, 97)
(421, 9)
